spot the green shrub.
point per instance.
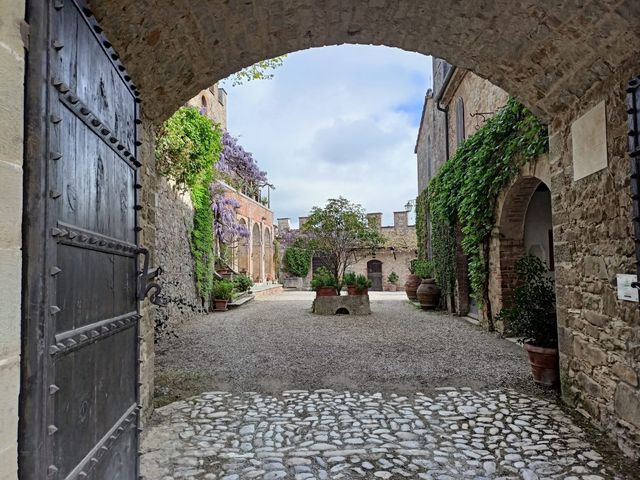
(533, 314)
(323, 278)
(423, 268)
(222, 290)
(297, 260)
(349, 278)
(362, 283)
(393, 278)
(242, 283)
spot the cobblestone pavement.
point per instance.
(453, 433)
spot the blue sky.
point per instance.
(335, 121)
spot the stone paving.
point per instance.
(453, 433)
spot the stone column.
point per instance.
(12, 59)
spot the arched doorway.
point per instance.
(256, 254)
(268, 254)
(374, 273)
(525, 227)
(243, 251)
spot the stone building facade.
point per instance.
(212, 102)
(399, 249)
(455, 109)
(569, 62)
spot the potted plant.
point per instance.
(222, 293)
(324, 283)
(532, 316)
(349, 279)
(413, 282)
(242, 283)
(362, 285)
(393, 280)
(428, 292)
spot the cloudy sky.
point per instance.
(335, 121)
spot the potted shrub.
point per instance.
(349, 279)
(532, 316)
(242, 283)
(362, 285)
(222, 293)
(428, 292)
(413, 282)
(324, 283)
(393, 280)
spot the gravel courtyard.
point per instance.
(271, 391)
(276, 344)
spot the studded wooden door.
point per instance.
(633, 113)
(374, 273)
(79, 408)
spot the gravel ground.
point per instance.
(276, 344)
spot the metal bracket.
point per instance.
(145, 285)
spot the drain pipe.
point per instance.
(445, 110)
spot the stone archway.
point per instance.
(524, 227)
(256, 254)
(547, 54)
(243, 251)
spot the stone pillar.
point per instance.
(400, 219)
(283, 224)
(12, 59)
(375, 219)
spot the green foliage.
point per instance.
(242, 283)
(276, 257)
(187, 148)
(423, 269)
(393, 278)
(297, 259)
(466, 188)
(341, 233)
(362, 283)
(349, 278)
(257, 71)
(323, 278)
(222, 290)
(533, 314)
(421, 223)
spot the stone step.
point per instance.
(241, 301)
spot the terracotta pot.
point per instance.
(544, 364)
(351, 289)
(221, 305)
(361, 292)
(411, 285)
(326, 292)
(428, 294)
(392, 287)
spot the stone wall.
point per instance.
(174, 221)
(12, 60)
(599, 334)
(212, 102)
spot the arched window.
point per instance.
(204, 102)
(460, 120)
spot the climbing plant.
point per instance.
(297, 259)
(187, 149)
(464, 193)
(422, 224)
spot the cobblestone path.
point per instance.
(490, 422)
(322, 434)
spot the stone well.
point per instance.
(343, 304)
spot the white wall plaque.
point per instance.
(625, 290)
(589, 139)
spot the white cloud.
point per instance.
(335, 121)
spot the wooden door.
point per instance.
(79, 401)
(374, 273)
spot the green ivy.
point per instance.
(187, 149)
(463, 194)
(422, 223)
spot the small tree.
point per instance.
(341, 234)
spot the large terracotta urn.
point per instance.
(544, 364)
(428, 294)
(411, 285)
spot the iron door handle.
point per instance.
(145, 287)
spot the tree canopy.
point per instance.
(340, 234)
